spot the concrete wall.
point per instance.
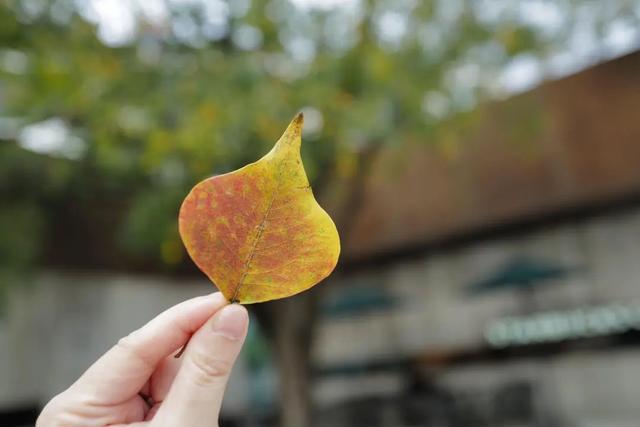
(56, 325)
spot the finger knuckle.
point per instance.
(208, 369)
(131, 345)
(128, 343)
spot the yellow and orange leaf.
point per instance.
(258, 232)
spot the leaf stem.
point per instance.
(182, 350)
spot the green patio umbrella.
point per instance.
(524, 275)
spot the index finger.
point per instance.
(125, 368)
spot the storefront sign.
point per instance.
(555, 326)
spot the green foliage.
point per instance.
(157, 114)
(21, 231)
(150, 227)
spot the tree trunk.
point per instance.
(292, 357)
(290, 325)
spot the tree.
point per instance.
(205, 87)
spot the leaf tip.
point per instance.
(295, 127)
(292, 135)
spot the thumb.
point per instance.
(196, 394)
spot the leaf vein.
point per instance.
(286, 264)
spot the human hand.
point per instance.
(139, 382)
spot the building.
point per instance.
(510, 260)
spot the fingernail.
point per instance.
(231, 321)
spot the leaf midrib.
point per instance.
(261, 227)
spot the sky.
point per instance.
(117, 24)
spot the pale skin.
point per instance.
(139, 382)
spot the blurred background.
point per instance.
(480, 158)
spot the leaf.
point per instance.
(258, 233)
